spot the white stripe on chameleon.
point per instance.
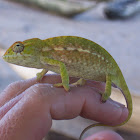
(71, 49)
(81, 50)
(94, 53)
(70, 61)
(102, 58)
(99, 56)
(59, 49)
(46, 49)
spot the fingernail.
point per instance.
(124, 114)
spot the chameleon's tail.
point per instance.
(90, 126)
(121, 84)
(126, 93)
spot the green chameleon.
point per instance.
(71, 56)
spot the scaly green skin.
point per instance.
(71, 56)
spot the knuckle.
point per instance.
(15, 85)
(36, 88)
(40, 89)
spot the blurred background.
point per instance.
(115, 25)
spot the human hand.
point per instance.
(27, 108)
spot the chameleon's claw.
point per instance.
(102, 101)
(40, 75)
(67, 88)
(104, 97)
(58, 85)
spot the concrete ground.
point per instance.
(120, 38)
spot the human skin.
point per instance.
(27, 108)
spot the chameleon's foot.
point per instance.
(41, 74)
(102, 101)
(39, 77)
(66, 87)
(104, 97)
(58, 85)
(80, 82)
(106, 94)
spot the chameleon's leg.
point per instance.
(63, 72)
(64, 77)
(107, 92)
(80, 82)
(58, 85)
(41, 74)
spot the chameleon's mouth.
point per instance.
(14, 58)
(22, 60)
(17, 59)
(9, 57)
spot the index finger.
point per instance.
(16, 88)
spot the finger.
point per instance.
(55, 78)
(15, 89)
(28, 119)
(7, 106)
(32, 114)
(18, 87)
(110, 113)
(105, 135)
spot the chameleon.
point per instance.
(71, 56)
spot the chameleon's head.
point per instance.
(24, 53)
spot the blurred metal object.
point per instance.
(120, 9)
(63, 7)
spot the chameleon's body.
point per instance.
(71, 56)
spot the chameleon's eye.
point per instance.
(18, 47)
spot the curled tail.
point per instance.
(90, 126)
(121, 84)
